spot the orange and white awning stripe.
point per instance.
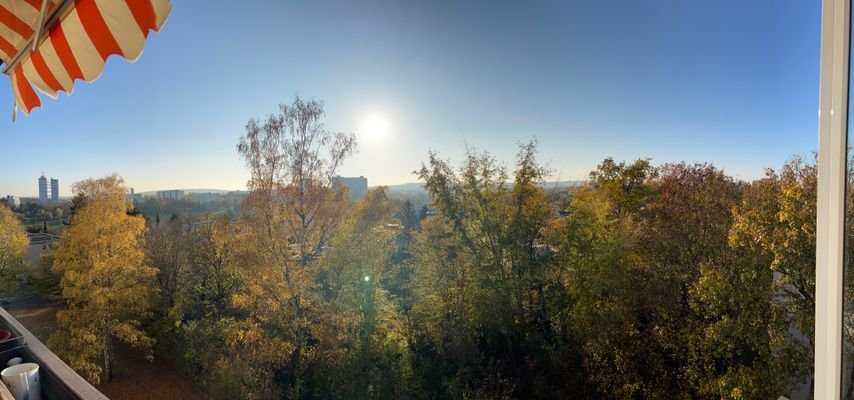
(18, 19)
(76, 45)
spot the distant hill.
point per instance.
(218, 191)
(415, 192)
(419, 187)
(411, 190)
(406, 186)
(561, 184)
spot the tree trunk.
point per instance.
(296, 358)
(849, 392)
(108, 359)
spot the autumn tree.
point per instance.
(776, 223)
(410, 222)
(105, 282)
(363, 349)
(635, 244)
(166, 249)
(487, 278)
(197, 331)
(743, 346)
(13, 250)
(607, 292)
(686, 226)
(625, 184)
(292, 210)
(216, 252)
(400, 279)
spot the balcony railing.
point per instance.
(58, 380)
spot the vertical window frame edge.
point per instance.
(830, 207)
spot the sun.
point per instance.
(374, 128)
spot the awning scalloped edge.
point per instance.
(77, 46)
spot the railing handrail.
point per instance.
(46, 359)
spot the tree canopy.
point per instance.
(104, 279)
(13, 250)
(670, 281)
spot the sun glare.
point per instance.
(374, 128)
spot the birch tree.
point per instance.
(292, 211)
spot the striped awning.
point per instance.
(73, 40)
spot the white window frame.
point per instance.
(830, 224)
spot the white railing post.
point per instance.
(830, 233)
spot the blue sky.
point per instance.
(729, 82)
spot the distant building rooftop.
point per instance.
(358, 186)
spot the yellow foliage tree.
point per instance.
(293, 210)
(104, 280)
(13, 250)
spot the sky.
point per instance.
(729, 82)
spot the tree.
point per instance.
(743, 349)
(292, 211)
(488, 281)
(31, 209)
(13, 250)
(196, 329)
(607, 300)
(646, 260)
(775, 222)
(410, 223)
(624, 184)
(363, 351)
(166, 250)
(217, 251)
(104, 279)
(848, 281)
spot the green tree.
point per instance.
(197, 332)
(217, 250)
(743, 349)
(488, 280)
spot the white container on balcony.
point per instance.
(23, 381)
